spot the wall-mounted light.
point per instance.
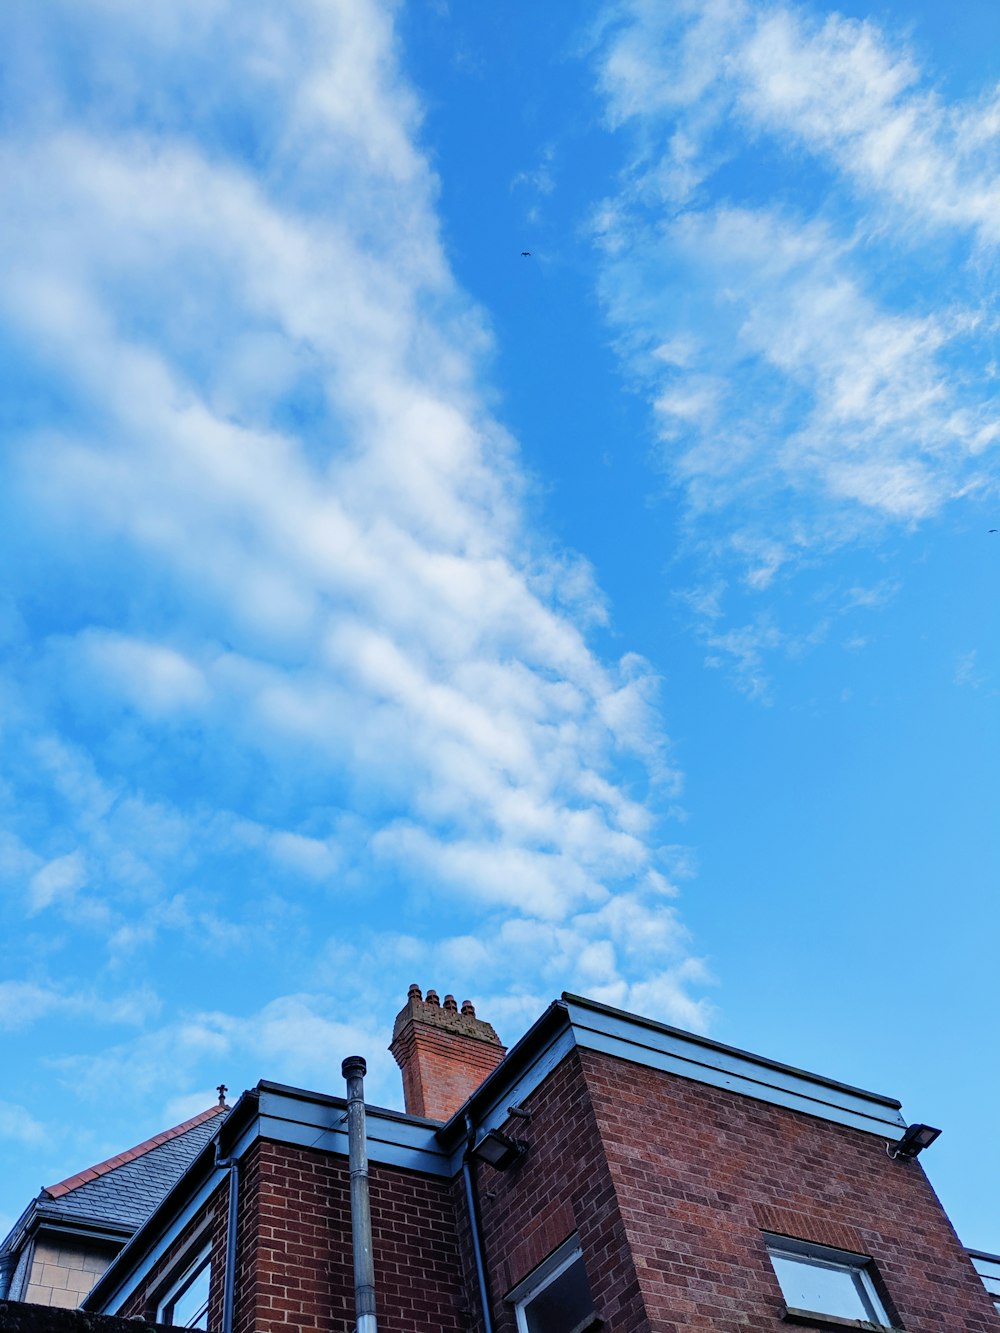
(914, 1141)
(498, 1151)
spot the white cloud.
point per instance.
(846, 91)
(153, 676)
(299, 1038)
(842, 88)
(317, 645)
(59, 879)
(815, 345)
(968, 672)
(23, 1003)
(18, 1124)
(809, 384)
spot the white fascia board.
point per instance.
(674, 1052)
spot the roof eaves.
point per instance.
(21, 1228)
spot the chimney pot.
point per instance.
(444, 1055)
(414, 993)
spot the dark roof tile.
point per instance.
(126, 1188)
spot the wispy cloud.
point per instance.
(816, 346)
(23, 1003)
(968, 671)
(18, 1124)
(288, 658)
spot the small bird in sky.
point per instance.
(994, 529)
(525, 254)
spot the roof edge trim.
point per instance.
(129, 1155)
(637, 1020)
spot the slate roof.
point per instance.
(125, 1189)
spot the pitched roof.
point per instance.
(126, 1188)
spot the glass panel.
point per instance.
(189, 1308)
(809, 1284)
(563, 1304)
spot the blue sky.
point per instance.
(381, 605)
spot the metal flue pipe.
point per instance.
(354, 1069)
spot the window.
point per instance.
(556, 1297)
(988, 1268)
(186, 1303)
(817, 1280)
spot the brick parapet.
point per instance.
(302, 1276)
(700, 1173)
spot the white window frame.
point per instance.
(190, 1273)
(543, 1276)
(858, 1267)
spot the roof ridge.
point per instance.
(129, 1155)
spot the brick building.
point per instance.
(607, 1172)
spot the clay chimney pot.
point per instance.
(444, 1055)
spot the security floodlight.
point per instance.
(914, 1141)
(498, 1151)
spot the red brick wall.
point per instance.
(300, 1274)
(562, 1186)
(701, 1172)
(294, 1258)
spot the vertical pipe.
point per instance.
(477, 1242)
(229, 1279)
(354, 1070)
(8, 1263)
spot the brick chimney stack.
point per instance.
(444, 1054)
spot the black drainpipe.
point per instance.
(475, 1225)
(232, 1165)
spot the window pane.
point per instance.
(563, 1304)
(189, 1309)
(825, 1288)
